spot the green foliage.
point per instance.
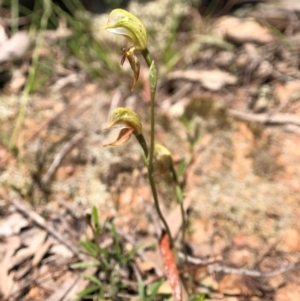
(12, 148)
(108, 260)
(199, 297)
(84, 45)
(149, 293)
(170, 56)
(91, 55)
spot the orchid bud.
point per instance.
(128, 121)
(124, 23)
(163, 162)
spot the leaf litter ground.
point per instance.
(235, 128)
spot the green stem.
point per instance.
(143, 144)
(153, 84)
(147, 57)
(156, 203)
(179, 198)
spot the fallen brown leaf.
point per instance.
(170, 266)
(213, 80)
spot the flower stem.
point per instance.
(147, 57)
(143, 144)
(153, 84)
(179, 197)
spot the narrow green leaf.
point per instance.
(12, 148)
(115, 237)
(89, 290)
(84, 265)
(104, 252)
(200, 297)
(141, 290)
(153, 288)
(90, 247)
(95, 218)
(132, 253)
(93, 279)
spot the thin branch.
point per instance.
(253, 273)
(60, 156)
(215, 267)
(266, 118)
(41, 222)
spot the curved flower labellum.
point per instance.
(124, 23)
(134, 63)
(129, 123)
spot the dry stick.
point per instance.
(41, 222)
(266, 118)
(253, 273)
(213, 267)
(60, 156)
(265, 253)
(64, 289)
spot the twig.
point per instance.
(292, 128)
(41, 222)
(215, 267)
(266, 118)
(64, 289)
(265, 253)
(253, 273)
(70, 79)
(60, 156)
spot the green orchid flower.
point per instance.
(128, 121)
(124, 23)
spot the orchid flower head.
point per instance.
(124, 23)
(129, 123)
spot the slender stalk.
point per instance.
(147, 57)
(153, 84)
(143, 144)
(155, 197)
(180, 201)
